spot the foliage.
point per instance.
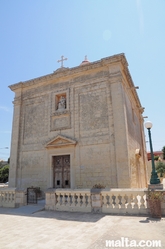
(99, 186)
(163, 150)
(160, 168)
(156, 158)
(155, 195)
(4, 173)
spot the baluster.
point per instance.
(3, 197)
(6, 197)
(73, 200)
(68, 202)
(104, 200)
(83, 201)
(78, 200)
(122, 202)
(109, 201)
(129, 200)
(75, 196)
(142, 201)
(88, 200)
(136, 202)
(9, 197)
(58, 198)
(117, 201)
(63, 199)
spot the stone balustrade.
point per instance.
(7, 197)
(124, 201)
(68, 200)
(114, 201)
(10, 197)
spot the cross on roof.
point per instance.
(62, 59)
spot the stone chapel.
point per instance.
(78, 127)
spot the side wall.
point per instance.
(136, 146)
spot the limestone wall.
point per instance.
(136, 144)
(97, 116)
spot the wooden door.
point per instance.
(61, 172)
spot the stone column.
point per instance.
(14, 154)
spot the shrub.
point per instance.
(4, 173)
(160, 168)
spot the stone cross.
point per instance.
(62, 59)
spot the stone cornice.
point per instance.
(132, 86)
(72, 71)
(16, 86)
(76, 71)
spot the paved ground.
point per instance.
(31, 227)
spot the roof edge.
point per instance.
(68, 71)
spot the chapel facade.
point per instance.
(79, 127)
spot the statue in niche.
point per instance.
(62, 104)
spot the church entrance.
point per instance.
(61, 171)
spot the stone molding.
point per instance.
(75, 70)
(59, 141)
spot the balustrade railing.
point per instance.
(115, 201)
(10, 197)
(122, 201)
(7, 197)
(68, 200)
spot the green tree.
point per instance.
(4, 173)
(163, 150)
(156, 158)
(160, 168)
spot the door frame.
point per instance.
(53, 165)
(58, 152)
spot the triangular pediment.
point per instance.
(59, 141)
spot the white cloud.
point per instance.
(5, 108)
(140, 15)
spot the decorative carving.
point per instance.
(60, 141)
(61, 104)
(61, 113)
(60, 122)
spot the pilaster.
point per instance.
(15, 139)
(120, 134)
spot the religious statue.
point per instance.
(62, 104)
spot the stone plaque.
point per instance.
(59, 122)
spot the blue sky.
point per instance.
(35, 33)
